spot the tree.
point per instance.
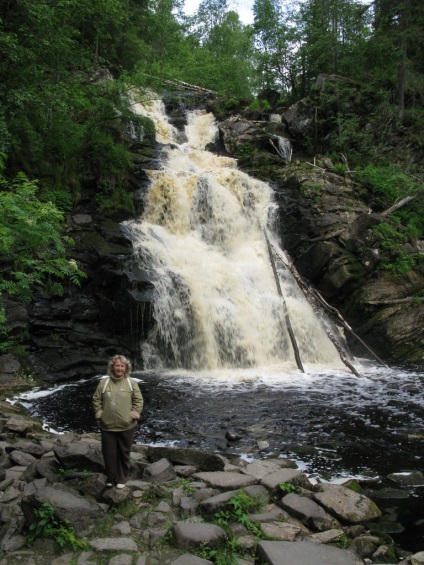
(398, 33)
(275, 41)
(334, 35)
(32, 247)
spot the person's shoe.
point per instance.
(120, 485)
(109, 484)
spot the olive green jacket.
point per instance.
(116, 398)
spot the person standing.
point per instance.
(117, 404)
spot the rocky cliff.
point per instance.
(325, 221)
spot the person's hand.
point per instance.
(134, 415)
(98, 414)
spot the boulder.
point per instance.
(80, 455)
(347, 505)
(80, 512)
(309, 512)
(160, 472)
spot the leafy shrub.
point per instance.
(391, 183)
(48, 526)
(260, 105)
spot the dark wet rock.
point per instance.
(408, 478)
(186, 456)
(366, 546)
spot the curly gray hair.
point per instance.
(124, 360)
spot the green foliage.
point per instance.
(6, 340)
(343, 541)
(245, 149)
(48, 526)
(287, 487)
(340, 169)
(392, 240)
(237, 510)
(32, 247)
(260, 105)
(389, 182)
(219, 556)
(239, 506)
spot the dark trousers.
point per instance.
(116, 449)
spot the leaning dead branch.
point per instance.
(286, 312)
(398, 205)
(187, 86)
(315, 298)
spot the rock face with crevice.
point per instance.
(325, 221)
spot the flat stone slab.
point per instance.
(260, 469)
(113, 544)
(273, 480)
(197, 534)
(225, 480)
(188, 559)
(303, 553)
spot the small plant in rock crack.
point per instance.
(287, 487)
(48, 526)
(343, 541)
(219, 556)
(240, 505)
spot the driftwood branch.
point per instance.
(398, 205)
(286, 312)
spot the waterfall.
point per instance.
(284, 148)
(201, 238)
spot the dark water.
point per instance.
(332, 423)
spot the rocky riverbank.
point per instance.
(180, 507)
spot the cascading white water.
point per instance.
(201, 237)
